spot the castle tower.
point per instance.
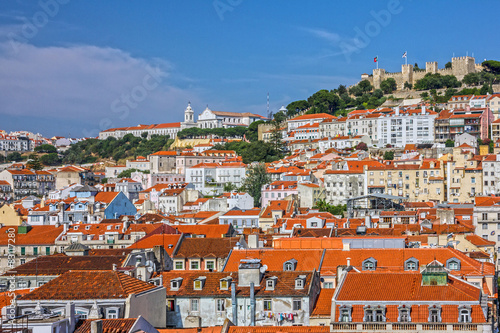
(378, 77)
(407, 74)
(462, 66)
(431, 67)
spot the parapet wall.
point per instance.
(460, 66)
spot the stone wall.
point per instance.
(460, 66)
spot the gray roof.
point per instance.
(76, 247)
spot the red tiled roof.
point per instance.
(307, 260)
(122, 325)
(105, 197)
(58, 264)
(279, 329)
(206, 247)
(37, 235)
(407, 286)
(479, 241)
(210, 231)
(169, 242)
(323, 305)
(78, 285)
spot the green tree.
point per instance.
(447, 65)
(362, 146)
(127, 173)
(255, 179)
(14, 157)
(34, 163)
(229, 187)
(365, 86)
(45, 148)
(408, 85)
(104, 180)
(450, 143)
(323, 206)
(50, 159)
(296, 107)
(491, 66)
(389, 155)
(388, 85)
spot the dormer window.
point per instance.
(345, 314)
(464, 315)
(225, 282)
(271, 283)
(374, 314)
(109, 227)
(453, 264)
(198, 283)
(175, 284)
(369, 264)
(75, 227)
(404, 314)
(290, 265)
(411, 264)
(87, 227)
(300, 281)
(434, 314)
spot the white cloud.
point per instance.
(89, 84)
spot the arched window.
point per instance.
(369, 264)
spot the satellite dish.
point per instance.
(150, 269)
(149, 263)
(263, 269)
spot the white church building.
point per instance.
(206, 119)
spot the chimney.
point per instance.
(233, 303)
(348, 262)
(397, 110)
(423, 109)
(346, 246)
(115, 266)
(70, 313)
(253, 241)
(96, 326)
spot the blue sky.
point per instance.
(67, 66)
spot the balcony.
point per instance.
(406, 327)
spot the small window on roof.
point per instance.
(109, 227)
(369, 264)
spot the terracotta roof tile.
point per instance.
(123, 325)
(307, 260)
(206, 247)
(323, 305)
(78, 285)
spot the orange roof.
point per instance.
(165, 153)
(308, 243)
(244, 212)
(79, 285)
(479, 241)
(307, 259)
(106, 197)
(210, 231)
(403, 286)
(122, 325)
(169, 242)
(313, 116)
(323, 305)
(37, 235)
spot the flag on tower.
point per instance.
(375, 59)
(404, 55)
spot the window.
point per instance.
(47, 250)
(35, 251)
(23, 251)
(179, 265)
(112, 313)
(374, 315)
(485, 226)
(198, 283)
(175, 283)
(485, 216)
(170, 305)
(210, 265)
(224, 284)
(411, 264)
(299, 282)
(434, 315)
(288, 266)
(404, 315)
(464, 316)
(270, 284)
(345, 314)
(369, 264)
(195, 305)
(268, 305)
(22, 261)
(453, 264)
(327, 285)
(221, 305)
(297, 305)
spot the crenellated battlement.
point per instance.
(460, 66)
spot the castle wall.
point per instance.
(460, 66)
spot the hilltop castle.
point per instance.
(460, 66)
